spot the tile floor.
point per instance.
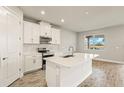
(104, 74)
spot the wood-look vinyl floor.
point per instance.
(105, 74)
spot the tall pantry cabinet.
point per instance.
(10, 45)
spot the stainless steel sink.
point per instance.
(66, 56)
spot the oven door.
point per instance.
(45, 55)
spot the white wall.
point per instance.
(114, 43)
(32, 48)
(68, 38)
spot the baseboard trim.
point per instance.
(107, 60)
(28, 72)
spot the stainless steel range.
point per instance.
(45, 53)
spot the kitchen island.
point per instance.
(70, 71)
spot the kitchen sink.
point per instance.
(66, 56)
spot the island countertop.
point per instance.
(77, 59)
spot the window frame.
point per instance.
(85, 45)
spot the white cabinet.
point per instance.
(45, 29)
(55, 36)
(28, 63)
(31, 33)
(32, 62)
(10, 27)
(36, 33)
(27, 32)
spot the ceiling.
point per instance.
(76, 17)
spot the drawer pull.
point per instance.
(4, 58)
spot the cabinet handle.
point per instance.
(4, 58)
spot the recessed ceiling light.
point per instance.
(42, 12)
(62, 20)
(87, 12)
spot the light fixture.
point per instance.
(3, 12)
(87, 12)
(42, 12)
(62, 20)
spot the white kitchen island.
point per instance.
(68, 72)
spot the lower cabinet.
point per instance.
(32, 62)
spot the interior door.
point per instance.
(13, 47)
(3, 46)
(3, 33)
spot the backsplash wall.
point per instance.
(32, 48)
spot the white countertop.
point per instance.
(77, 59)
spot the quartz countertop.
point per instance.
(77, 59)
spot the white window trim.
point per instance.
(85, 47)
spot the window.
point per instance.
(95, 42)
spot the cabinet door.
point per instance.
(33, 63)
(55, 36)
(29, 60)
(36, 33)
(45, 29)
(48, 30)
(28, 32)
(38, 61)
(13, 47)
(42, 29)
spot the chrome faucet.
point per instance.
(71, 50)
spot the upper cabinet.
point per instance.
(55, 36)
(36, 33)
(45, 29)
(27, 32)
(31, 33)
